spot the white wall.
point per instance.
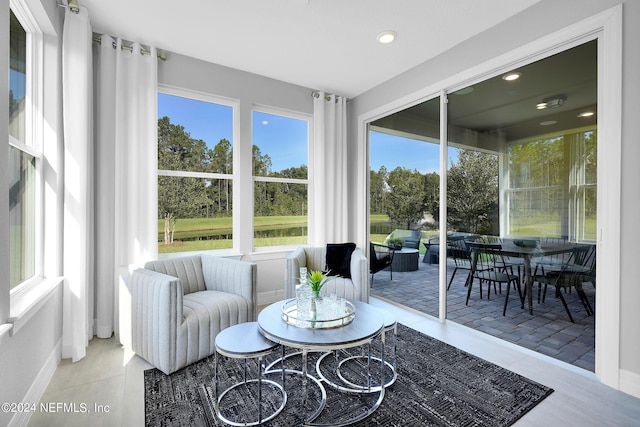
(629, 224)
(29, 356)
(248, 89)
(539, 20)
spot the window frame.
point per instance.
(579, 186)
(308, 118)
(34, 130)
(212, 99)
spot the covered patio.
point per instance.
(548, 331)
(520, 161)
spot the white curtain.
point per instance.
(122, 89)
(105, 140)
(328, 202)
(126, 138)
(77, 96)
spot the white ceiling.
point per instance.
(321, 44)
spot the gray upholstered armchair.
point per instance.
(314, 258)
(179, 305)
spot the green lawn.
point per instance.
(547, 226)
(187, 225)
(285, 221)
(195, 227)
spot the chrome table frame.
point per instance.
(367, 325)
(243, 341)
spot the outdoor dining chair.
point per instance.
(488, 265)
(458, 250)
(568, 276)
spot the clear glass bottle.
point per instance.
(303, 295)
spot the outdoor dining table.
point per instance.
(529, 249)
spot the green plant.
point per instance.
(317, 279)
(395, 242)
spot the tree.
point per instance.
(180, 197)
(263, 199)
(289, 198)
(432, 194)
(405, 200)
(220, 190)
(591, 171)
(472, 192)
(378, 189)
(538, 172)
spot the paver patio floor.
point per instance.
(548, 331)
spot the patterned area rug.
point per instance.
(437, 385)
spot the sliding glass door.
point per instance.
(526, 170)
(521, 163)
(404, 203)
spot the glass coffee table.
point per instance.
(366, 325)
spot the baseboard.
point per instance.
(630, 383)
(39, 385)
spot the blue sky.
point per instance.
(393, 151)
(284, 139)
(17, 83)
(213, 122)
(203, 120)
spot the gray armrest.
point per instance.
(157, 303)
(360, 273)
(295, 260)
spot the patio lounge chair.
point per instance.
(381, 257)
(410, 238)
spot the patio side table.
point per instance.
(405, 259)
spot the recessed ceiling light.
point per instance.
(386, 37)
(464, 91)
(511, 77)
(586, 114)
(541, 106)
(548, 123)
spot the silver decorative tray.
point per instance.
(324, 318)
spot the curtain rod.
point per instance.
(73, 7)
(317, 95)
(326, 97)
(161, 55)
(71, 4)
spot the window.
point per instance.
(195, 142)
(537, 190)
(24, 157)
(280, 153)
(552, 186)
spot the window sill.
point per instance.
(25, 303)
(225, 253)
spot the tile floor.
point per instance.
(548, 331)
(110, 377)
(108, 383)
